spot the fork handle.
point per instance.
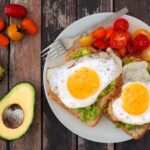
(108, 20)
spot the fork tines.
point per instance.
(53, 50)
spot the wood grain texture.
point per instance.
(25, 66)
(56, 16)
(84, 8)
(4, 61)
(141, 10)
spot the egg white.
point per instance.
(106, 64)
(133, 73)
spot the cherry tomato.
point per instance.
(15, 31)
(99, 33)
(140, 42)
(2, 24)
(118, 40)
(4, 41)
(99, 44)
(142, 31)
(128, 35)
(146, 54)
(122, 52)
(15, 10)
(30, 26)
(86, 40)
(121, 24)
(109, 33)
(131, 50)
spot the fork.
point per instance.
(60, 46)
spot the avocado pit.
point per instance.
(13, 116)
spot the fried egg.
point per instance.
(79, 82)
(133, 105)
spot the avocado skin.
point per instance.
(34, 95)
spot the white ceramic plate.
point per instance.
(104, 131)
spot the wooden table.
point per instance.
(22, 63)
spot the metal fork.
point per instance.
(60, 46)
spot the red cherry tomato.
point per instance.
(118, 40)
(15, 10)
(131, 49)
(122, 52)
(141, 42)
(128, 35)
(99, 33)
(2, 24)
(109, 33)
(121, 24)
(30, 26)
(99, 44)
(4, 41)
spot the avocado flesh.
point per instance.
(81, 52)
(22, 94)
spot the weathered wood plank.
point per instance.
(4, 61)
(56, 16)
(25, 66)
(86, 7)
(139, 9)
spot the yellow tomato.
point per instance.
(142, 31)
(146, 54)
(86, 40)
(15, 32)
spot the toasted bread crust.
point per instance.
(114, 93)
(135, 133)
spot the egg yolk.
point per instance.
(135, 99)
(83, 83)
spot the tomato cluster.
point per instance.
(119, 38)
(15, 31)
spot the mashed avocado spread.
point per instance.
(128, 61)
(127, 126)
(148, 68)
(80, 52)
(91, 112)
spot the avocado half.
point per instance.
(23, 95)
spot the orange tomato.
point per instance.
(142, 31)
(109, 33)
(15, 32)
(2, 24)
(99, 33)
(30, 26)
(4, 41)
(86, 40)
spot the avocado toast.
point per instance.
(90, 114)
(134, 130)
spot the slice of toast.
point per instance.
(102, 103)
(136, 133)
